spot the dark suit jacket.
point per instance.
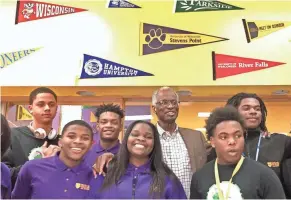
(197, 147)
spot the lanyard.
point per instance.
(217, 180)
(258, 147)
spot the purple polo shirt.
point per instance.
(5, 182)
(96, 138)
(135, 184)
(50, 178)
(97, 150)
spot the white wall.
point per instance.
(70, 113)
(64, 40)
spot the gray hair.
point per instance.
(155, 94)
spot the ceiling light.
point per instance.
(204, 114)
(280, 92)
(184, 93)
(86, 93)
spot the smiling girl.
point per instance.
(137, 171)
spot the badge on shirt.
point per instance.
(82, 186)
(273, 164)
(35, 153)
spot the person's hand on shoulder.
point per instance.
(49, 151)
(101, 164)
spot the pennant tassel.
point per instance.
(213, 65)
(17, 12)
(246, 30)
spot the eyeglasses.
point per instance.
(168, 102)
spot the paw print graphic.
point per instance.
(155, 38)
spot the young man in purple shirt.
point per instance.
(64, 176)
(5, 172)
(109, 125)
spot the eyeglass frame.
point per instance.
(168, 102)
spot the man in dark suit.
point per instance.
(184, 150)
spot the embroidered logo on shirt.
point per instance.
(273, 164)
(82, 186)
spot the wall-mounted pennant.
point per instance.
(121, 4)
(227, 65)
(11, 57)
(255, 29)
(92, 117)
(202, 5)
(155, 39)
(35, 10)
(95, 67)
(23, 114)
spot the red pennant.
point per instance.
(226, 65)
(35, 10)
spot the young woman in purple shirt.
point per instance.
(137, 171)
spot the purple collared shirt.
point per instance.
(50, 178)
(97, 150)
(96, 138)
(135, 184)
(5, 182)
